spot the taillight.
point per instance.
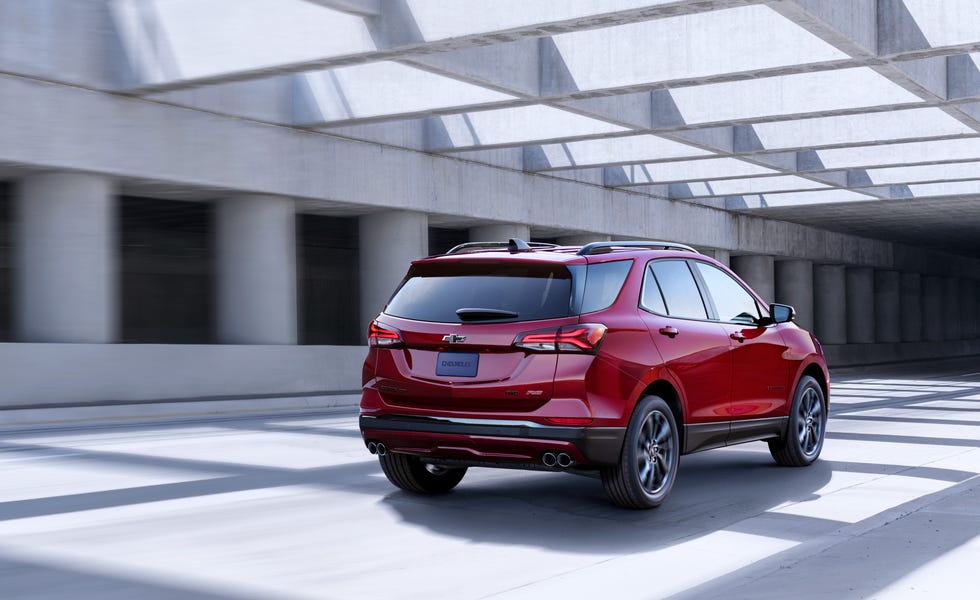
(570, 338)
(381, 336)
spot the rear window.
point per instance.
(532, 291)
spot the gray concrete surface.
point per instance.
(65, 259)
(390, 240)
(38, 374)
(256, 266)
(291, 506)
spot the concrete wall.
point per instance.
(38, 374)
(843, 355)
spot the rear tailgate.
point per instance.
(458, 320)
(470, 367)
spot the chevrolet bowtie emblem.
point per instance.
(454, 338)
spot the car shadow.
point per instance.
(568, 513)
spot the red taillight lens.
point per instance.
(570, 338)
(381, 336)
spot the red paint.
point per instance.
(584, 370)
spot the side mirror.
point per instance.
(782, 313)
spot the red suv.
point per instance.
(615, 357)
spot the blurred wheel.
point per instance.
(409, 473)
(648, 462)
(803, 440)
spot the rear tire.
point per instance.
(648, 461)
(408, 472)
(803, 440)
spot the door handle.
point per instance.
(738, 337)
(669, 331)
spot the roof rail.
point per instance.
(603, 247)
(512, 245)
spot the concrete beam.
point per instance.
(361, 8)
(396, 36)
(900, 34)
(509, 67)
(144, 141)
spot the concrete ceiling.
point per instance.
(860, 116)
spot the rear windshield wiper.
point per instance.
(484, 314)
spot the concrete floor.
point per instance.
(291, 506)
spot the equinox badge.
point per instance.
(454, 338)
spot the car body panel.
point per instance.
(521, 403)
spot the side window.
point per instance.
(602, 284)
(650, 296)
(732, 302)
(680, 292)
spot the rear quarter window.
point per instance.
(603, 281)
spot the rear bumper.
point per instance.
(488, 441)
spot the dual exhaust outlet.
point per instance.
(557, 459)
(561, 460)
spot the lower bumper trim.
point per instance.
(599, 445)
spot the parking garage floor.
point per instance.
(290, 505)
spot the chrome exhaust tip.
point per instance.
(564, 460)
(381, 449)
(372, 447)
(549, 459)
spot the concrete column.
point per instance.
(888, 321)
(952, 325)
(932, 309)
(910, 302)
(722, 256)
(757, 271)
(794, 286)
(65, 275)
(828, 304)
(389, 241)
(256, 270)
(582, 239)
(860, 305)
(968, 316)
(500, 232)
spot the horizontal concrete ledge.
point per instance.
(80, 374)
(847, 355)
(321, 396)
(133, 413)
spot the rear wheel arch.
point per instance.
(666, 390)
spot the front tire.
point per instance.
(803, 440)
(409, 473)
(649, 458)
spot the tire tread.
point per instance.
(408, 472)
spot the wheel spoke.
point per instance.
(648, 429)
(662, 469)
(649, 477)
(663, 433)
(645, 469)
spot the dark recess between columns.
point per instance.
(167, 274)
(442, 239)
(6, 279)
(328, 280)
